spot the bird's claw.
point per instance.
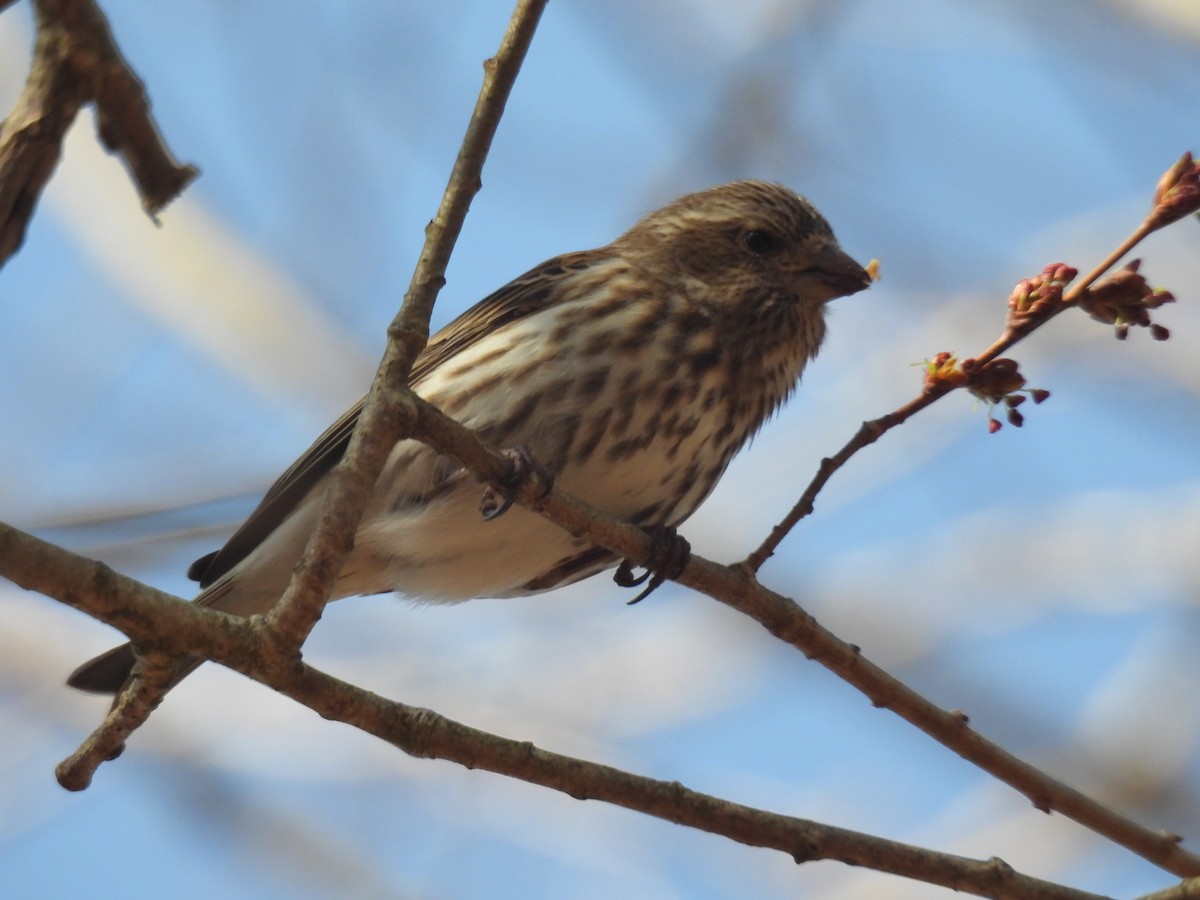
(496, 502)
(669, 555)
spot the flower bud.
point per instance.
(995, 380)
(1124, 300)
(1177, 194)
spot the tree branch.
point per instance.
(1188, 889)
(159, 620)
(388, 415)
(935, 390)
(424, 733)
(76, 61)
(737, 587)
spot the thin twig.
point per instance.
(130, 710)
(874, 429)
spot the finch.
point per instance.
(633, 372)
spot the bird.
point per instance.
(633, 373)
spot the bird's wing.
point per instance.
(537, 289)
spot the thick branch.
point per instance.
(421, 732)
(153, 619)
(156, 619)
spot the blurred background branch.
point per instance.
(76, 62)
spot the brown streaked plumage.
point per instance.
(634, 372)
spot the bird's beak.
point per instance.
(837, 273)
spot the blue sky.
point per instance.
(1042, 579)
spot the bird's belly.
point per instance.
(650, 472)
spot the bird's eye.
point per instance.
(760, 243)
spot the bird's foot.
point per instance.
(669, 555)
(496, 502)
